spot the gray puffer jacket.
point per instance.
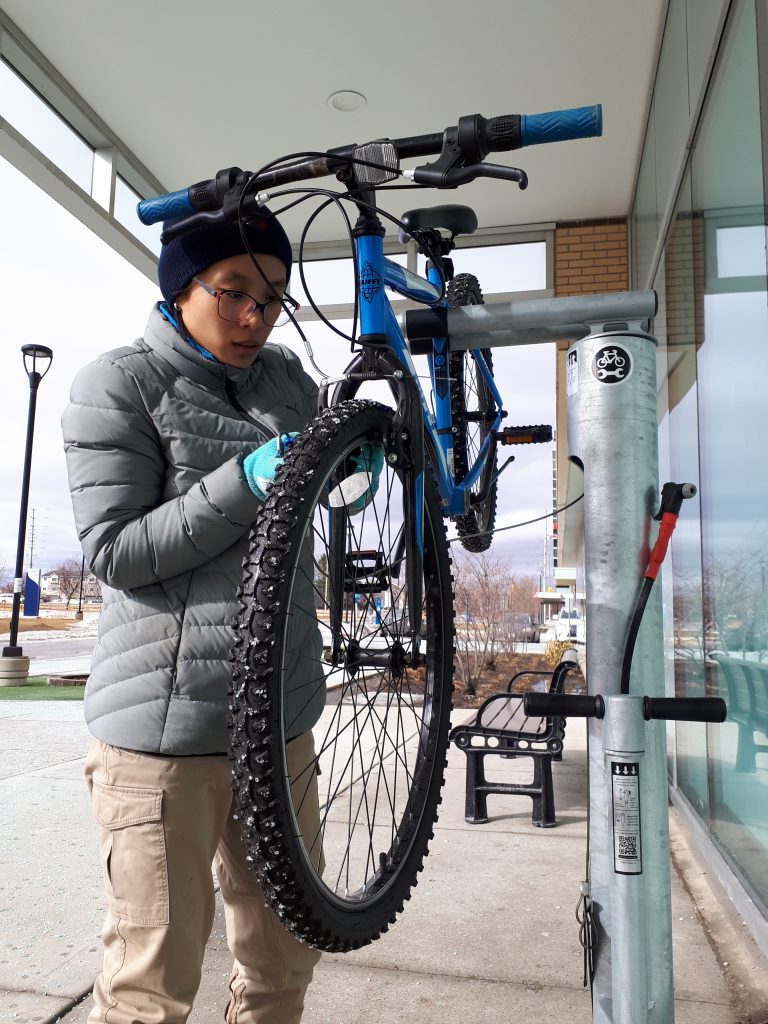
(155, 436)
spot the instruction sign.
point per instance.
(627, 840)
(572, 372)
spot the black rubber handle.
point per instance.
(685, 709)
(502, 133)
(547, 705)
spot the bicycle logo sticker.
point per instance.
(612, 365)
(370, 282)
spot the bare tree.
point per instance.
(6, 575)
(522, 595)
(724, 608)
(734, 603)
(481, 589)
(520, 606)
(68, 572)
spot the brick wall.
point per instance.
(684, 280)
(591, 256)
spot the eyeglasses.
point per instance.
(238, 306)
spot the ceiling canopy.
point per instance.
(191, 87)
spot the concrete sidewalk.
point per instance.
(489, 935)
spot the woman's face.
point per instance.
(233, 343)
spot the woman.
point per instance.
(170, 447)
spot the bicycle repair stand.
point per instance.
(612, 436)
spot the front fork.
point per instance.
(408, 451)
(404, 453)
(403, 449)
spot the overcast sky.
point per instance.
(65, 288)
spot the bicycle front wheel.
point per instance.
(340, 705)
(473, 411)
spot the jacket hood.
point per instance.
(163, 337)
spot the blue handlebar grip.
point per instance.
(172, 204)
(561, 125)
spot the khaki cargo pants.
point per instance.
(163, 821)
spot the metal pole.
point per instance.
(624, 768)
(12, 650)
(35, 376)
(612, 434)
(527, 321)
(79, 612)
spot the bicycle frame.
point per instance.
(378, 322)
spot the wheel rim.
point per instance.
(376, 739)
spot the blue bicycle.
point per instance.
(339, 744)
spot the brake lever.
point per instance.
(437, 178)
(179, 227)
(505, 173)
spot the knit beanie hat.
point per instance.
(186, 255)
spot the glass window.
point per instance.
(716, 312)
(330, 282)
(520, 267)
(741, 251)
(645, 217)
(681, 285)
(36, 121)
(732, 368)
(125, 212)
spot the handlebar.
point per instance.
(462, 149)
(685, 709)
(670, 709)
(561, 125)
(566, 705)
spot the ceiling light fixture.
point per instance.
(346, 101)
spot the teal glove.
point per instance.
(260, 466)
(357, 489)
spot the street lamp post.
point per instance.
(14, 666)
(79, 612)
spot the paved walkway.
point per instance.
(489, 935)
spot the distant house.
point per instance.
(49, 586)
(55, 585)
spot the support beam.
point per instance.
(27, 159)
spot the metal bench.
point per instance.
(501, 727)
(746, 683)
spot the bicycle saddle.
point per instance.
(459, 220)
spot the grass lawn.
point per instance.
(38, 689)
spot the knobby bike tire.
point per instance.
(395, 717)
(472, 412)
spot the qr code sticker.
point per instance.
(627, 846)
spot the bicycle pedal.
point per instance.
(366, 572)
(539, 434)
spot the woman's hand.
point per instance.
(369, 463)
(260, 466)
